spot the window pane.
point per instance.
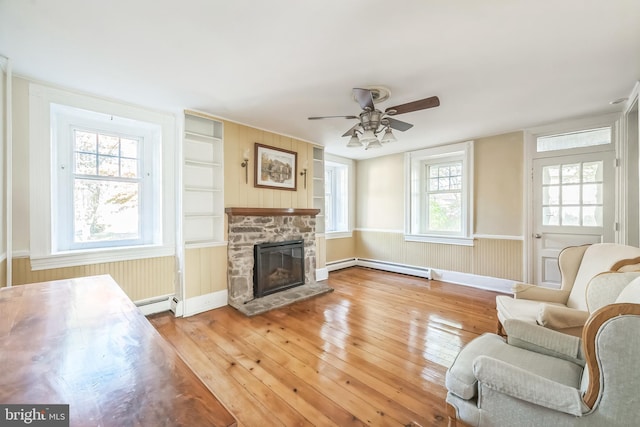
(571, 173)
(571, 215)
(564, 141)
(105, 210)
(85, 141)
(129, 148)
(592, 171)
(443, 184)
(551, 215)
(571, 194)
(551, 175)
(109, 145)
(592, 194)
(445, 212)
(108, 166)
(551, 195)
(85, 164)
(592, 216)
(129, 168)
(433, 184)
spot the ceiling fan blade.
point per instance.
(398, 124)
(350, 131)
(364, 98)
(332, 117)
(420, 104)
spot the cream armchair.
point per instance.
(565, 309)
(538, 376)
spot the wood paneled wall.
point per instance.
(205, 270)
(488, 257)
(140, 279)
(340, 249)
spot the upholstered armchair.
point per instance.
(565, 309)
(541, 377)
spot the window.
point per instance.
(580, 139)
(104, 200)
(336, 197)
(443, 197)
(111, 188)
(440, 194)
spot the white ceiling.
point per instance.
(496, 65)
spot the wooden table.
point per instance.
(83, 342)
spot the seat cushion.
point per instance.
(461, 381)
(521, 309)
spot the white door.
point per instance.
(573, 204)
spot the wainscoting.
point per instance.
(500, 258)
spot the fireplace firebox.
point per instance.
(277, 266)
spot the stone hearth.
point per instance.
(251, 226)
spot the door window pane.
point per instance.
(551, 215)
(571, 173)
(579, 194)
(592, 216)
(551, 175)
(571, 215)
(592, 194)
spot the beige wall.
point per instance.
(498, 185)
(380, 193)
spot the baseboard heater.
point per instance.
(410, 270)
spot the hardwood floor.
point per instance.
(373, 352)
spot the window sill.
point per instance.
(98, 256)
(445, 240)
(338, 235)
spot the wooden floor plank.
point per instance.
(372, 352)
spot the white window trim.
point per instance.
(414, 159)
(352, 191)
(40, 171)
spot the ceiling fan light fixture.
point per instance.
(388, 136)
(354, 141)
(368, 136)
(373, 144)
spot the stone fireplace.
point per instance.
(249, 227)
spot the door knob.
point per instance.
(538, 236)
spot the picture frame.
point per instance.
(275, 168)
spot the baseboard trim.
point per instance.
(466, 279)
(475, 281)
(322, 274)
(199, 304)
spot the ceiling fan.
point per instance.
(373, 122)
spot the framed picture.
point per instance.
(275, 168)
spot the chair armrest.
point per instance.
(513, 381)
(560, 317)
(604, 288)
(538, 293)
(545, 341)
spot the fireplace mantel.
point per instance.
(270, 212)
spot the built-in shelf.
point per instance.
(203, 181)
(318, 187)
